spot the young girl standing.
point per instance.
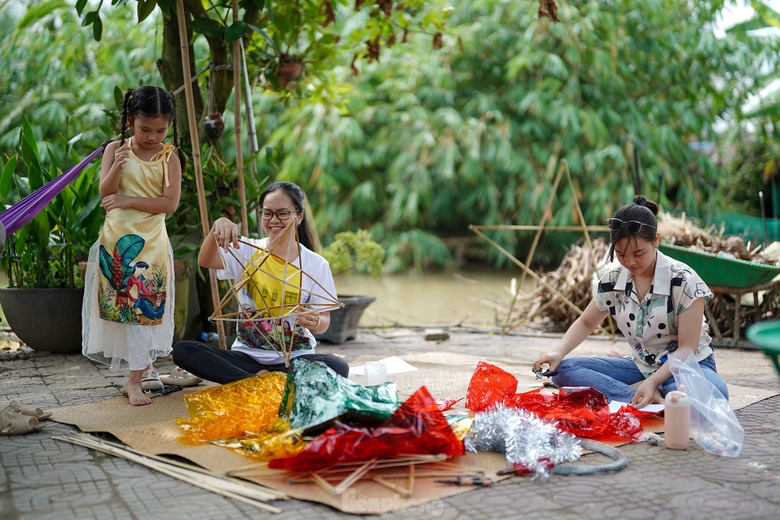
(129, 289)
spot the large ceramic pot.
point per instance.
(47, 320)
(344, 321)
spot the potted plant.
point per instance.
(351, 252)
(42, 302)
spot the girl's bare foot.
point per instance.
(134, 393)
(262, 372)
(136, 396)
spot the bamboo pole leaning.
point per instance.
(237, 113)
(196, 162)
(251, 133)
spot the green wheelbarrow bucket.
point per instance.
(766, 334)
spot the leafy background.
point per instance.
(417, 123)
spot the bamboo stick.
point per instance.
(261, 470)
(196, 162)
(353, 477)
(512, 227)
(533, 274)
(404, 475)
(398, 489)
(237, 112)
(324, 484)
(251, 134)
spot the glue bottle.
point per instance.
(677, 419)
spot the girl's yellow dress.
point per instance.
(129, 286)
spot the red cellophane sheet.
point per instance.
(417, 427)
(584, 413)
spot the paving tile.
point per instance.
(723, 502)
(41, 478)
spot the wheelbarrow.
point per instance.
(766, 334)
(727, 275)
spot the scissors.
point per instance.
(546, 373)
(169, 389)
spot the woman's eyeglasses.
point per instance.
(282, 214)
(633, 226)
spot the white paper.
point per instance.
(394, 364)
(614, 406)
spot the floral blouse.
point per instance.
(650, 325)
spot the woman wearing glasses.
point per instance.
(658, 304)
(304, 269)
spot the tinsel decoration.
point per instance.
(523, 438)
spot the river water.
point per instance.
(465, 297)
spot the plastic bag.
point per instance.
(713, 424)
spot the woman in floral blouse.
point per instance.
(658, 304)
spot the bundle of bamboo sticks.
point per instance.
(234, 488)
(338, 478)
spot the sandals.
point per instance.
(181, 377)
(150, 381)
(29, 410)
(16, 423)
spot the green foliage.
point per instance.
(414, 145)
(355, 252)
(54, 72)
(220, 187)
(46, 252)
(752, 145)
(416, 250)
(432, 142)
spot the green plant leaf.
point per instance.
(145, 8)
(5, 179)
(208, 27)
(41, 10)
(97, 28)
(234, 32)
(264, 34)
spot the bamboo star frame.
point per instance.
(563, 168)
(268, 321)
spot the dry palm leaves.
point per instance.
(680, 231)
(549, 9)
(574, 277)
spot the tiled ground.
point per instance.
(42, 478)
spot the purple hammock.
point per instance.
(17, 216)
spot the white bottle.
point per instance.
(677, 419)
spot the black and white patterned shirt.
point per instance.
(650, 325)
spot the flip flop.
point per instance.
(29, 410)
(14, 423)
(150, 381)
(181, 377)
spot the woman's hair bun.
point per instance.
(641, 200)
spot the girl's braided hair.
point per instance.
(149, 101)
